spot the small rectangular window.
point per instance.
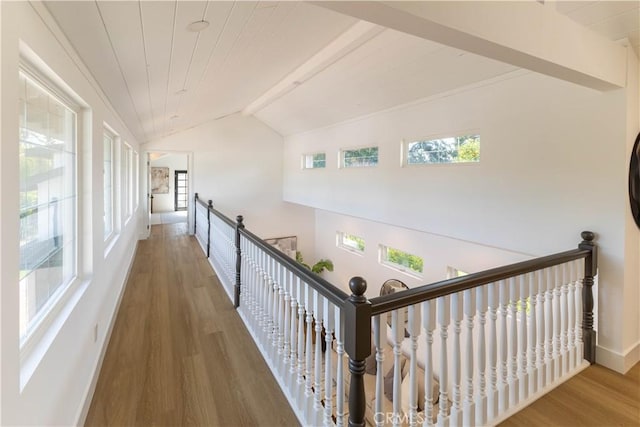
(350, 242)
(359, 158)
(401, 261)
(314, 161)
(458, 149)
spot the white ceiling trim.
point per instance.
(354, 37)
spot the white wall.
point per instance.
(437, 252)
(552, 165)
(166, 202)
(237, 163)
(65, 364)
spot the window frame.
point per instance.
(383, 260)
(340, 235)
(109, 133)
(35, 330)
(404, 148)
(342, 158)
(304, 161)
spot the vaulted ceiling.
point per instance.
(294, 65)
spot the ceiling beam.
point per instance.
(354, 37)
(526, 34)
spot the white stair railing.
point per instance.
(466, 351)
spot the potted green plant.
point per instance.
(318, 267)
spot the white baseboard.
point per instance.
(619, 362)
(91, 388)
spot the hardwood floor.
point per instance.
(596, 397)
(179, 353)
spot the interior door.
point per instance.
(181, 190)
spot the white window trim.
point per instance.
(404, 149)
(114, 165)
(57, 308)
(340, 243)
(382, 249)
(341, 158)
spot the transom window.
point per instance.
(350, 242)
(401, 260)
(360, 157)
(455, 149)
(314, 161)
(48, 201)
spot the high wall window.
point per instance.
(350, 242)
(360, 157)
(458, 149)
(48, 203)
(107, 180)
(401, 260)
(314, 161)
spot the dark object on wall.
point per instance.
(634, 181)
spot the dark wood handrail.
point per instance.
(217, 213)
(326, 289)
(383, 304)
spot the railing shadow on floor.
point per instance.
(470, 350)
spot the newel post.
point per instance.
(358, 346)
(195, 212)
(209, 207)
(590, 270)
(236, 292)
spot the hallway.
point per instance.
(179, 353)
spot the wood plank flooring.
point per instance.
(179, 353)
(596, 397)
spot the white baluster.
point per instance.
(481, 399)
(414, 333)
(286, 330)
(444, 319)
(328, 321)
(397, 330)
(548, 321)
(532, 337)
(468, 410)
(571, 312)
(308, 391)
(564, 326)
(503, 389)
(293, 335)
(340, 392)
(556, 321)
(275, 311)
(429, 325)
(317, 376)
(282, 305)
(523, 377)
(579, 286)
(514, 384)
(301, 341)
(542, 329)
(492, 396)
(379, 340)
(456, 315)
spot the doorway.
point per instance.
(181, 190)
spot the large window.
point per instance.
(458, 149)
(360, 157)
(107, 178)
(314, 161)
(401, 260)
(48, 204)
